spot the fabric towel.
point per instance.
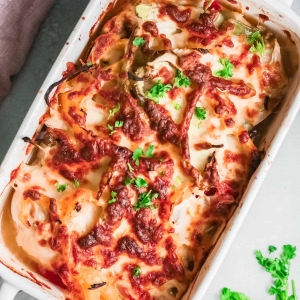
(19, 23)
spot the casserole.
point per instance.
(252, 187)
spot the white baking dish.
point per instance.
(16, 275)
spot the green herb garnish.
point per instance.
(117, 124)
(158, 91)
(149, 152)
(62, 187)
(200, 113)
(130, 168)
(136, 272)
(138, 41)
(145, 200)
(136, 155)
(227, 294)
(257, 43)
(128, 181)
(114, 110)
(76, 183)
(113, 197)
(176, 105)
(226, 72)
(140, 182)
(279, 268)
(272, 249)
(181, 80)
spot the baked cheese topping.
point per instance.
(146, 151)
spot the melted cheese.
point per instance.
(90, 232)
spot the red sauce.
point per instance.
(175, 14)
(82, 78)
(232, 1)
(244, 137)
(214, 6)
(255, 63)
(151, 27)
(263, 18)
(230, 157)
(247, 7)
(174, 93)
(51, 276)
(79, 119)
(14, 173)
(251, 113)
(228, 42)
(32, 194)
(229, 122)
(71, 68)
(166, 75)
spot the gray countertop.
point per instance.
(237, 270)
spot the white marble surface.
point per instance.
(275, 215)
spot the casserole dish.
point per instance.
(290, 105)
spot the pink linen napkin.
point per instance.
(19, 23)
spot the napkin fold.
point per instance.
(19, 23)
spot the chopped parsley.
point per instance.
(128, 181)
(176, 105)
(62, 187)
(226, 72)
(149, 152)
(257, 43)
(117, 124)
(89, 64)
(145, 200)
(130, 168)
(76, 183)
(113, 197)
(200, 113)
(227, 294)
(136, 272)
(140, 182)
(181, 80)
(138, 41)
(136, 155)
(114, 110)
(279, 268)
(158, 91)
(272, 249)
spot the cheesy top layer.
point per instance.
(145, 153)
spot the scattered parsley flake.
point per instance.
(161, 159)
(181, 80)
(200, 113)
(136, 272)
(226, 72)
(272, 249)
(149, 152)
(76, 183)
(227, 294)
(128, 181)
(117, 125)
(176, 105)
(130, 168)
(113, 197)
(114, 110)
(138, 41)
(279, 268)
(140, 182)
(89, 64)
(145, 200)
(257, 43)
(158, 91)
(62, 187)
(136, 155)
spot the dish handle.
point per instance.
(8, 291)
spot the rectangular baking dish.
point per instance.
(18, 277)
